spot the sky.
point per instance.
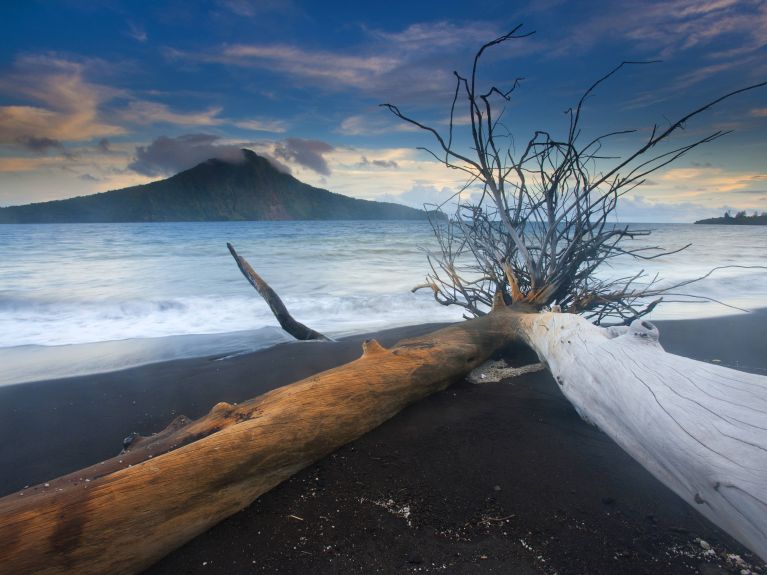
(99, 95)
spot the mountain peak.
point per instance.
(214, 190)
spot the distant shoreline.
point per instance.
(739, 220)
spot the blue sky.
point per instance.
(100, 95)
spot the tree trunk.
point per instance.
(126, 513)
(701, 429)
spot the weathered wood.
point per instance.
(286, 321)
(700, 428)
(125, 514)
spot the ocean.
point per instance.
(89, 298)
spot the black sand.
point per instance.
(494, 478)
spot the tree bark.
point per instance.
(701, 429)
(124, 514)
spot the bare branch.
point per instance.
(544, 227)
(290, 325)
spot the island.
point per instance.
(739, 219)
(215, 190)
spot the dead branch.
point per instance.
(544, 225)
(290, 325)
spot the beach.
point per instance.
(489, 478)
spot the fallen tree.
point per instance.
(535, 239)
(539, 233)
(122, 515)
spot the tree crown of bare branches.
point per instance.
(543, 226)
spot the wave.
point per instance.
(34, 321)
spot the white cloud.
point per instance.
(411, 62)
(148, 113)
(702, 180)
(138, 33)
(640, 209)
(373, 124)
(256, 8)
(276, 126)
(427, 37)
(670, 26)
(423, 194)
(330, 68)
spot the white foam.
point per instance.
(31, 322)
(155, 281)
(34, 363)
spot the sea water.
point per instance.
(80, 298)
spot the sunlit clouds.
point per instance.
(58, 102)
(142, 112)
(154, 92)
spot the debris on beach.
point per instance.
(392, 507)
(495, 371)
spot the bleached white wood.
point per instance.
(699, 428)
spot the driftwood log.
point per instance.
(699, 428)
(122, 515)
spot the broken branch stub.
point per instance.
(286, 321)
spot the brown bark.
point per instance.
(126, 513)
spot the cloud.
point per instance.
(137, 32)
(438, 37)
(145, 113)
(410, 63)
(104, 146)
(640, 209)
(422, 195)
(425, 194)
(306, 153)
(40, 145)
(374, 123)
(685, 81)
(279, 166)
(759, 112)
(254, 8)
(89, 178)
(62, 106)
(391, 164)
(171, 155)
(28, 164)
(667, 27)
(341, 70)
(277, 126)
(708, 179)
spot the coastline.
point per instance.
(479, 478)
